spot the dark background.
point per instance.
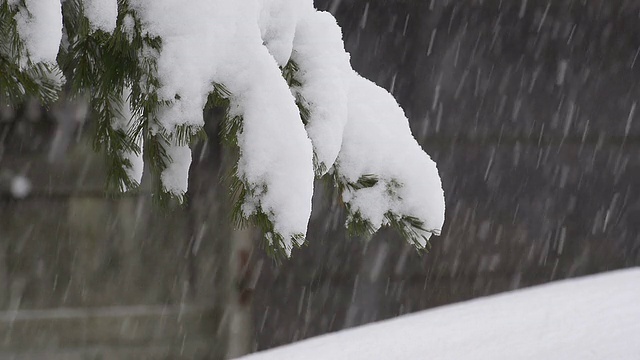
(540, 165)
(528, 108)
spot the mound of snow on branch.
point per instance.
(102, 14)
(40, 27)
(324, 119)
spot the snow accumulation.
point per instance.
(40, 27)
(126, 122)
(102, 14)
(325, 74)
(594, 317)
(353, 128)
(378, 140)
(243, 45)
(221, 42)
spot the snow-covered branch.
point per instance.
(295, 106)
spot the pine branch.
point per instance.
(104, 64)
(289, 73)
(409, 227)
(22, 79)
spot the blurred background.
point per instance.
(528, 108)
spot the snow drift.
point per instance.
(594, 317)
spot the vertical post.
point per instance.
(4, 278)
(243, 277)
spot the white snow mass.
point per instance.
(325, 73)
(595, 317)
(102, 14)
(20, 187)
(40, 27)
(221, 42)
(377, 140)
(322, 118)
(126, 122)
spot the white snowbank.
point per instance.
(594, 317)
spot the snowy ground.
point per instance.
(594, 317)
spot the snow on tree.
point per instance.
(296, 110)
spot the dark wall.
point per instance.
(88, 274)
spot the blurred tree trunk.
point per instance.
(209, 188)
